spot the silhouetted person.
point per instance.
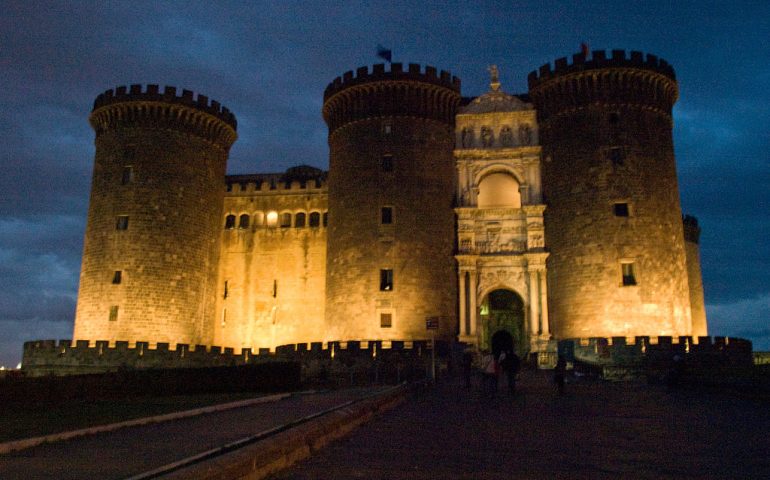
(559, 373)
(467, 367)
(489, 373)
(511, 365)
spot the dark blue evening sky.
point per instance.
(269, 62)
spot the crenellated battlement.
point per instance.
(599, 60)
(412, 92)
(44, 357)
(657, 350)
(276, 182)
(414, 72)
(635, 80)
(149, 106)
(691, 229)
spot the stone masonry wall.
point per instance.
(275, 274)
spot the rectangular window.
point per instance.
(387, 163)
(387, 215)
(386, 320)
(122, 222)
(386, 280)
(128, 175)
(226, 292)
(620, 209)
(617, 155)
(117, 277)
(629, 277)
(114, 313)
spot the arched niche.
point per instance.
(499, 189)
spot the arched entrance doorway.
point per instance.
(502, 322)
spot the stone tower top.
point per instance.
(135, 105)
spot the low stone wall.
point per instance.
(329, 364)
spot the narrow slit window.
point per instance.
(117, 277)
(386, 320)
(114, 313)
(127, 177)
(629, 276)
(387, 163)
(386, 280)
(386, 215)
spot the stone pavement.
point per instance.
(129, 451)
(595, 430)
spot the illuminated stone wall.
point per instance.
(391, 141)
(159, 163)
(275, 267)
(609, 180)
(694, 276)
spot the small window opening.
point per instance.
(272, 219)
(387, 215)
(387, 163)
(244, 221)
(386, 280)
(387, 128)
(229, 222)
(628, 274)
(620, 209)
(386, 320)
(315, 219)
(114, 313)
(226, 292)
(121, 222)
(285, 220)
(299, 220)
(117, 277)
(128, 175)
(617, 156)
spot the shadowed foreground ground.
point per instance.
(594, 431)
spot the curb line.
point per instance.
(15, 445)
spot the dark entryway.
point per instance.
(502, 322)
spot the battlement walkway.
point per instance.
(595, 431)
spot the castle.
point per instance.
(496, 220)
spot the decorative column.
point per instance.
(463, 330)
(473, 310)
(534, 304)
(545, 328)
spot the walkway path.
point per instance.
(594, 431)
(126, 452)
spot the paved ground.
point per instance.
(129, 451)
(594, 431)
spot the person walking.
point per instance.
(511, 365)
(559, 373)
(489, 373)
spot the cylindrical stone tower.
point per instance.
(613, 223)
(391, 184)
(151, 249)
(694, 275)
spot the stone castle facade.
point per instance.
(497, 219)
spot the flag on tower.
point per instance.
(384, 53)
